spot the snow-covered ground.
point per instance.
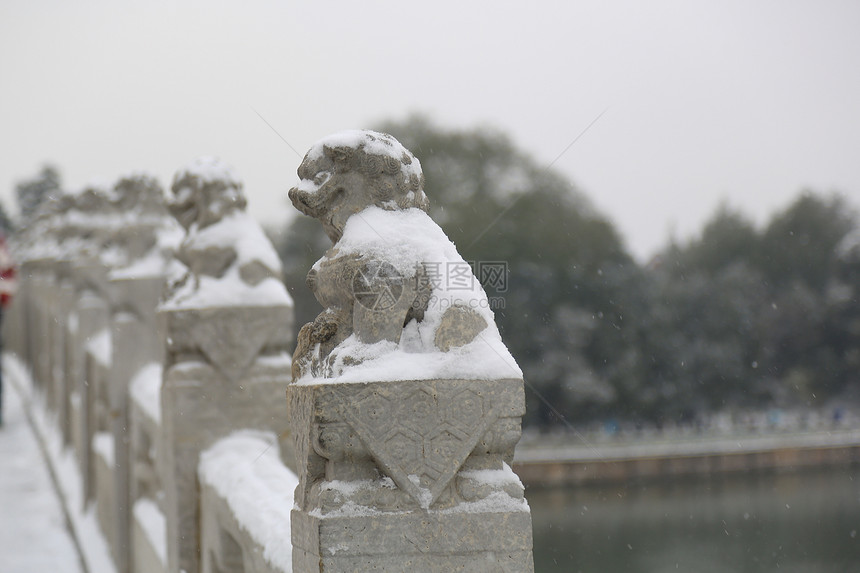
(38, 442)
(33, 534)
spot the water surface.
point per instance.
(806, 522)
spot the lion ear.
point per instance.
(338, 154)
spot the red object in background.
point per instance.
(8, 274)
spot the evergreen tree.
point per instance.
(32, 192)
(800, 244)
(808, 343)
(6, 225)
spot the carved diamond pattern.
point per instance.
(420, 410)
(419, 434)
(378, 410)
(409, 458)
(230, 345)
(465, 406)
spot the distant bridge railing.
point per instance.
(182, 479)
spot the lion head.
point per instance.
(139, 192)
(205, 192)
(349, 171)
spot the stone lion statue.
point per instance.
(226, 258)
(385, 285)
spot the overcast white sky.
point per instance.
(745, 101)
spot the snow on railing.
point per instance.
(246, 498)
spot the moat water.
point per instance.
(807, 522)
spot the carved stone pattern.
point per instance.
(425, 431)
(229, 338)
(300, 408)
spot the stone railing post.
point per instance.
(141, 242)
(64, 317)
(228, 325)
(42, 284)
(71, 228)
(406, 405)
(83, 316)
(92, 315)
(135, 343)
(28, 299)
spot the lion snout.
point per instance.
(307, 203)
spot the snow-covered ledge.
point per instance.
(246, 495)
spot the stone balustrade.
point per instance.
(161, 346)
(100, 338)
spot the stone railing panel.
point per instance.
(65, 300)
(96, 409)
(148, 538)
(195, 415)
(145, 429)
(147, 523)
(136, 342)
(245, 505)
